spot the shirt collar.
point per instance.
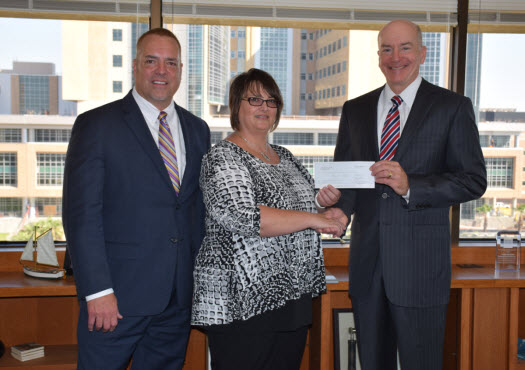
(408, 95)
(149, 111)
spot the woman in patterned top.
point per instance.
(261, 260)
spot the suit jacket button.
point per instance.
(174, 240)
(384, 195)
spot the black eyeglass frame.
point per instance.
(270, 103)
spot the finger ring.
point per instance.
(389, 174)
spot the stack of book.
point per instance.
(27, 351)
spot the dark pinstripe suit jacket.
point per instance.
(440, 152)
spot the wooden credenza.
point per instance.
(482, 319)
(46, 311)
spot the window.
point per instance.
(309, 160)
(494, 141)
(311, 36)
(310, 56)
(34, 94)
(338, 44)
(232, 34)
(49, 207)
(10, 135)
(344, 65)
(303, 56)
(303, 35)
(241, 54)
(117, 34)
(310, 96)
(241, 34)
(343, 90)
(117, 60)
(344, 41)
(232, 54)
(215, 137)
(8, 169)
(338, 67)
(117, 86)
(303, 76)
(52, 136)
(50, 168)
(11, 207)
(327, 139)
(293, 138)
(500, 172)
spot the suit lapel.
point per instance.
(370, 117)
(135, 121)
(416, 118)
(188, 144)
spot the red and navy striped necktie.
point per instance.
(391, 131)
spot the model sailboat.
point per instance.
(45, 265)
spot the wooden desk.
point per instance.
(486, 311)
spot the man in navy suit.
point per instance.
(133, 227)
(399, 263)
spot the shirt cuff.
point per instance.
(407, 196)
(99, 294)
(317, 203)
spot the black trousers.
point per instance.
(257, 349)
(384, 328)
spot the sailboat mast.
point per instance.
(34, 247)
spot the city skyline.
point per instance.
(501, 58)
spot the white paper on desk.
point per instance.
(344, 175)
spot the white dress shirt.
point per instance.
(151, 115)
(385, 103)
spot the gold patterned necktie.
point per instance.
(167, 151)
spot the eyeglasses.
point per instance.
(257, 102)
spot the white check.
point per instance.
(344, 175)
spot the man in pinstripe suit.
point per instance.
(400, 250)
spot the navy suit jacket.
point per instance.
(440, 152)
(125, 226)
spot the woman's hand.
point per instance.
(328, 196)
(340, 218)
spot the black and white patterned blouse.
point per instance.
(239, 274)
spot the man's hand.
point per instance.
(103, 313)
(328, 196)
(392, 174)
(338, 215)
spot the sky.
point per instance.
(502, 66)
